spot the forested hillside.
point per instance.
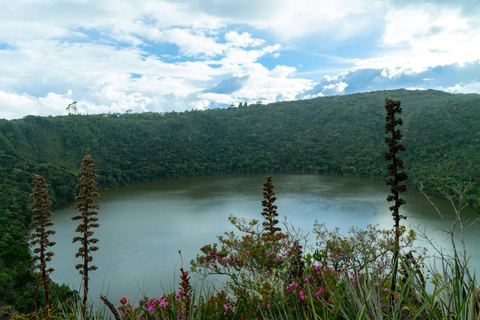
(336, 135)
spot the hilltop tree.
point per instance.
(87, 209)
(41, 221)
(395, 177)
(269, 209)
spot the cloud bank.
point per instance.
(115, 55)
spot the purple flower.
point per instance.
(227, 308)
(302, 296)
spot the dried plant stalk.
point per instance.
(41, 221)
(87, 210)
(269, 209)
(395, 177)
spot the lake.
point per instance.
(142, 227)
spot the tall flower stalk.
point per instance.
(269, 209)
(41, 221)
(395, 176)
(87, 209)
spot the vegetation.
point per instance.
(343, 277)
(87, 208)
(40, 222)
(269, 209)
(395, 178)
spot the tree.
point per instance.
(395, 177)
(72, 107)
(41, 220)
(87, 209)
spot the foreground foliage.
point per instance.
(260, 284)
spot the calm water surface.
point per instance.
(142, 227)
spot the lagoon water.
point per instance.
(142, 227)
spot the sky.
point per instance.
(117, 56)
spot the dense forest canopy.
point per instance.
(334, 135)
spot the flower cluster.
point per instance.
(126, 307)
(154, 304)
(147, 308)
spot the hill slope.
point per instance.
(342, 135)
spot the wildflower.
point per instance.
(302, 296)
(319, 292)
(227, 308)
(292, 287)
(178, 294)
(164, 303)
(268, 305)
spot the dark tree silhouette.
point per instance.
(41, 221)
(395, 177)
(269, 209)
(87, 209)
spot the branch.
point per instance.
(110, 306)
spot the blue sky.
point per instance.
(159, 56)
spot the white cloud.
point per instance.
(424, 35)
(335, 88)
(293, 19)
(193, 44)
(237, 56)
(464, 88)
(242, 40)
(273, 85)
(415, 88)
(13, 104)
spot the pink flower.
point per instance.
(302, 296)
(227, 308)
